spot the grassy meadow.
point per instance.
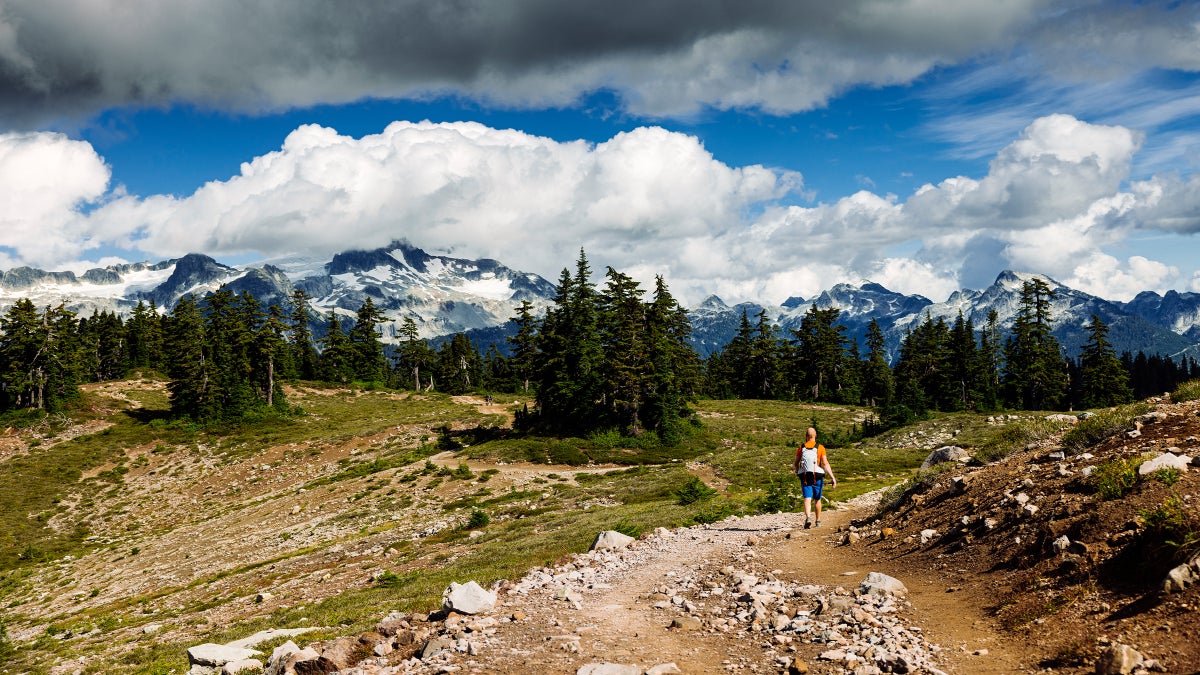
(346, 489)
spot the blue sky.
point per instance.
(757, 150)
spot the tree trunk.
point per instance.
(271, 382)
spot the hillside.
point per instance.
(363, 508)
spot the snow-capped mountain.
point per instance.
(442, 295)
(1177, 312)
(446, 295)
(1169, 326)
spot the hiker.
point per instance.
(811, 467)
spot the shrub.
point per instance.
(719, 511)
(1117, 478)
(1187, 391)
(388, 579)
(1101, 426)
(1013, 437)
(1174, 525)
(782, 495)
(463, 472)
(1168, 475)
(692, 491)
(478, 519)
(628, 529)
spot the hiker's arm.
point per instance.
(829, 471)
(796, 463)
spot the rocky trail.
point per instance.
(757, 594)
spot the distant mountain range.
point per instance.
(446, 295)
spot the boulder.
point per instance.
(214, 655)
(1060, 417)
(611, 539)
(608, 669)
(241, 666)
(664, 669)
(878, 583)
(468, 598)
(1118, 659)
(946, 453)
(1166, 460)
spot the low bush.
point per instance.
(478, 519)
(1116, 478)
(1013, 437)
(692, 491)
(628, 529)
(1101, 426)
(1174, 525)
(1187, 391)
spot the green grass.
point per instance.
(743, 449)
(1102, 426)
(1187, 391)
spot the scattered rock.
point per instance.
(608, 669)
(214, 655)
(946, 453)
(1118, 659)
(1164, 461)
(879, 583)
(468, 598)
(611, 539)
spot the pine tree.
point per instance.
(764, 372)
(458, 365)
(876, 373)
(622, 332)
(304, 352)
(273, 352)
(188, 364)
(989, 363)
(674, 366)
(569, 375)
(413, 355)
(963, 367)
(821, 354)
(368, 362)
(524, 344)
(337, 356)
(1103, 381)
(1035, 376)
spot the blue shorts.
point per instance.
(813, 491)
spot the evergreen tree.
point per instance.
(413, 355)
(876, 373)
(458, 365)
(39, 356)
(304, 356)
(366, 349)
(143, 333)
(821, 354)
(1035, 376)
(337, 356)
(989, 363)
(188, 364)
(274, 353)
(674, 365)
(964, 369)
(572, 360)
(524, 345)
(922, 374)
(622, 332)
(1103, 381)
(764, 374)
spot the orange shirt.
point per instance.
(808, 445)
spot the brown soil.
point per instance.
(997, 600)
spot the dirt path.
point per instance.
(615, 619)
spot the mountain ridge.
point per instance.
(445, 295)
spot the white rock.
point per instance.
(214, 655)
(468, 598)
(928, 535)
(244, 665)
(611, 539)
(1165, 461)
(877, 583)
(608, 669)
